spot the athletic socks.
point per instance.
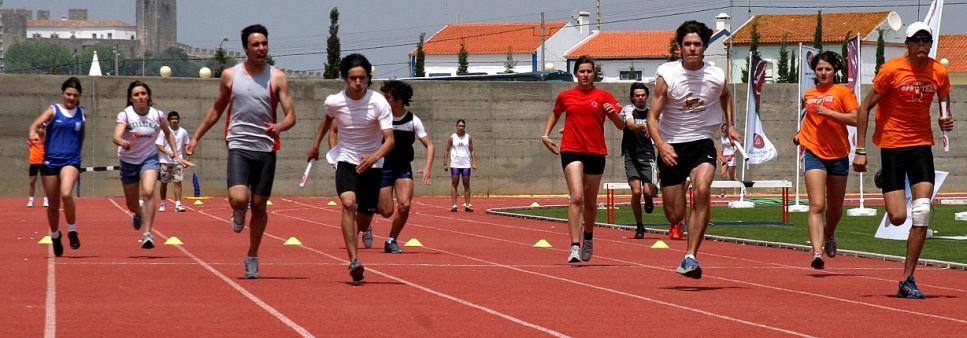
(588, 236)
(55, 234)
(690, 256)
(390, 239)
(71, 227)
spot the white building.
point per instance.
(81, 29)
(488, 45)
(800, 28)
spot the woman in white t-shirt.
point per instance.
(137, 128)
(728, 161)
(460, 159)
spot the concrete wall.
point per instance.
(506, 119)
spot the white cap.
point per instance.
(916, 27)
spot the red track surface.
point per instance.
(477, 275)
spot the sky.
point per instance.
(298, 28)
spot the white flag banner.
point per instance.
(757, 145)
(807, 77)
(901, 232)
(932, 19)
(853, 75)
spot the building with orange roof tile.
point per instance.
(488, 45)
(953, 48)
(800, 28)
(636, 55)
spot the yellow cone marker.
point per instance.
(45, 240)
(269, 202)
(173, 240)
(198, 202)
(413, 242)
(331, 203)
(292, 241)
(542, 244)
(535, 204)
(659, 245)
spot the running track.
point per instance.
(477, 275)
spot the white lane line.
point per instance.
(622, 293)
(252, 297)
(413, 284)
(50, 306)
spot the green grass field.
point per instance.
(853, 233)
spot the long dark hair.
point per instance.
(71, 82)
(832, 58)
(138, 83)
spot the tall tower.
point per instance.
(157, 24)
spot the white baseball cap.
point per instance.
(916, 27)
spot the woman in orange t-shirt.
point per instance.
(36, 161)
(830, 107)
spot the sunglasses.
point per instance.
(922, 39)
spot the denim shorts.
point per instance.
(837, 167)
(131, 173)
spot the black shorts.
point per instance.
(365, 185)
(254, 169)
(642, 169)
(34, 169)
(690, 155)
(46, 170)
(593, 163)
(914, 163)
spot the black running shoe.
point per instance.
(818, 263)
(392, 247)
(640, 233)
(649, 205)
(58, 247)
(878, 179)
(356, 270)
(74, 240)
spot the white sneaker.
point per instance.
(238, 220)
(179, 208)
(368, 237)
(147, 241)
(30, 202)
(45, 202)
(162, 207)
(251, 267)
(575, 255)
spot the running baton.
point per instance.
(745, 156)
(944, 113)
(305, 176)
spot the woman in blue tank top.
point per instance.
(63, 126)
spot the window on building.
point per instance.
(54, 35)
(630, 75)
(36, 35)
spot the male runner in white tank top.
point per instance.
(253, 90)
(694, 99)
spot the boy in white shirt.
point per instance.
(171, 171)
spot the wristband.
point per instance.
(860, 151)
(545, 137)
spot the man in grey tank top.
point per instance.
(253, 90)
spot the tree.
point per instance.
(463, 62)
(219, 61)
(753, 49)
(879, 52)
(105, 56)
(270, 60)
(509, 64)
(332, 46)
(419, 70)
(672, 50)
(36, 56)
(176, 58)
(818, 35)
(783, 76)
(842, 76)
(793, 69)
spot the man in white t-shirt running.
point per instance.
(171, 170)
(691, 99)
(365, 122)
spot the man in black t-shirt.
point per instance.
(639, 155)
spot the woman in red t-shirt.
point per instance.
(830, 107)
(582, 150)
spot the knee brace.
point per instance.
(921, 212)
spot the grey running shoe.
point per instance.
(147, 241)
(575, 255)
(238, 220)
(136, 221)
(179, 208)
(251, 267)
(356, 270)
(74, 240)
(829, 246)
(689, 268)
(368, 237)
(392, 247)
(587, 247)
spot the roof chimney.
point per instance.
(43, 14)
(77, 14)
(723, 22)
(584, 23)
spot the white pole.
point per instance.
(745, 161)
(798, 120)
(859, 100)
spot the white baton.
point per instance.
(945, 113)
(305, 176)
(745, 156)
